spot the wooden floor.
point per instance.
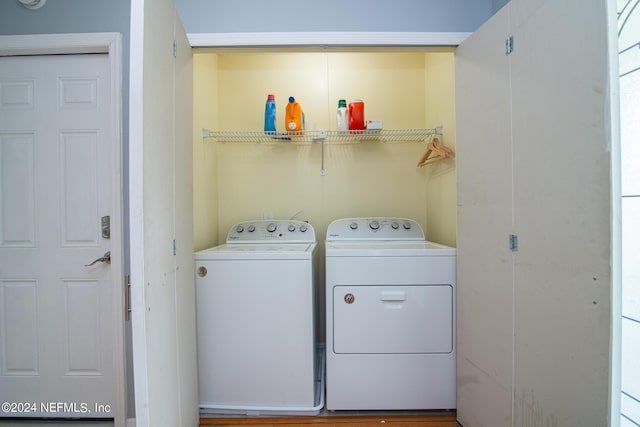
(428, 420)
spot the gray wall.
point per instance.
(498, 4)
(229, 16)
(66, 16)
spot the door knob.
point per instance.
(104, 258)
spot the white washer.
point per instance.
(391, 317)
(255, 301)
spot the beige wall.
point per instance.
(236, 182)
(441, 201)
(205, 115)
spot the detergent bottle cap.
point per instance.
(291, 99)
(271, 97)
(342, 103)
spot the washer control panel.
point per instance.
(375, 228)
(265, 231)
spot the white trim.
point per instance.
(50, 44)
(110, 43)
(327, 39)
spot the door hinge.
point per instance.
(174, 247)
(127, 297)
(175, 49)
(508, 45)
(513, 242)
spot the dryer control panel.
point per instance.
(374, 228)
(271, 231)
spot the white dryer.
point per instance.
(391, 317)
(256, 321)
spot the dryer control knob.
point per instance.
(353, 226)
(239, 228)
(407, 225)
(374, 225)
(271, 227)
(395, 225)
(251, 228)
(291, 228)
(303, 227)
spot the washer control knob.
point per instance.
(271, 227)
(407, 225)
(239, 228)
(374, 225)
(291, 228)
(353, 226)
(395, 225)
(251, 228)
(303, 227)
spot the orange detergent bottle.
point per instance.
(356, 115)
(294, 117)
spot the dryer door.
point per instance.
(393, 319)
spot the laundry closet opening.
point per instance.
(236, 181)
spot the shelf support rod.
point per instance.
(322, 157)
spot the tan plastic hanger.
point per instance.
(440, 150)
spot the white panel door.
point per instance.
(56, 166)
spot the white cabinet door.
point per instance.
(183, 228)
(163, 303)
(533, 324)
(485, 264)
(562, 187)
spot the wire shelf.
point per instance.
(338, 137)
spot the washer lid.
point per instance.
(386, 248)
(258, 251)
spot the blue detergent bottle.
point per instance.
(270, 114)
